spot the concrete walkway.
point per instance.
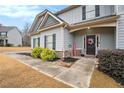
(80, 73)
(76, 76)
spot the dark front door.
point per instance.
(90, 43)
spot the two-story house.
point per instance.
(10, 35)
(83, 29)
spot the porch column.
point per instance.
(4, 43)
(63, 42)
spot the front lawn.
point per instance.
(101, 80)
(13, 74)
(14, 49)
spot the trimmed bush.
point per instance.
(111, 62)
(36, 52)
(48, 55)
(9, 45)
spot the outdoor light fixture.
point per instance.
(88, 28)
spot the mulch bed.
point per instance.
(65, 62)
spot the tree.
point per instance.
(26, 40)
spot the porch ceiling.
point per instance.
(102, 22)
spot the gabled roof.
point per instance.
(49, 14)
(6, 28)
(36, 19)
(46, 13)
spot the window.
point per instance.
(3, 34)
(36, 42)
(83, 12)
(50, 41)
(97, 10)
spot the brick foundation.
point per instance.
(67, 53)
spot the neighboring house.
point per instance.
(84, 29)
(10, 35)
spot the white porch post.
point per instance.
(4, 42)
(63, 47)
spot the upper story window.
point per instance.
(3, 34)
(83, 12)
(97, 10)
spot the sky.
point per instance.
(19, 15)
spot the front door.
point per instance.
(90, 44)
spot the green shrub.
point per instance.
(19, 45)
(48, 55)
(111, 62)
(9, 45)
(36, 52)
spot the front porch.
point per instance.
(3, 41)
(94, 35)
(91, 40)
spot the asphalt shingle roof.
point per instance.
(6, 28)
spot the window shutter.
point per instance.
(97, 10)
(83, 12)
(44, 41)
(54, 41)
(39, 42)
(84, 43)
(33, 43)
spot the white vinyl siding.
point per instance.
(76, 15)
(105, 10)
(72, 16)
(14, 37)
(68, 39)
(120, 32)
(120, 9)
(59, 38)
(90, 12)
(50, 22)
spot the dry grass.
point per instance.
(14, 74)
(100, 80)
(14, 49)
